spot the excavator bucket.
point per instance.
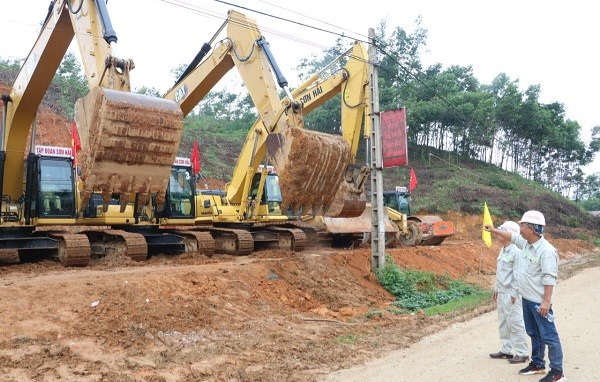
(128, 144)
(313, 172)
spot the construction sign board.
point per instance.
(393, 134)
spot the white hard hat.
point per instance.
(509, 226)
(533, 217)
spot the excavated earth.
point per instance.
(270, 316)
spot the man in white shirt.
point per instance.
(508, 301)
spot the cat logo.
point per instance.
(181, 93)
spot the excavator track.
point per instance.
(231, 241)
(73, 249)
(290, 238)
(136, 247)
(311, 233)
(197, 241)
(132, 245)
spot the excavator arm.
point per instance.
(129, 141)
(240, 49)
(280, 135)
(352, 81)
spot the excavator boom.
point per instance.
(129, 141)
(312, 165)
(128, 144)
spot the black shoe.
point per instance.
(518, 359)
(501, 355)
(554, 376)
(532, 369)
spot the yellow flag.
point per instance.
(487, 220)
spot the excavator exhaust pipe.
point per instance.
(312, 168)
(128, 144)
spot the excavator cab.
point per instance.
(56, 194)
(180, 199)
(399, 200)
(270, 191)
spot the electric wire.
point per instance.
(379, 48)
(281, 18)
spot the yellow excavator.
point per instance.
(243, 218)
(128, 144)
(351, 80)
(253, 198)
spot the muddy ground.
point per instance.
(270, 316)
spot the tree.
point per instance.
(68, 85)
(151, 91)
(8, 70)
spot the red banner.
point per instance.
(195, 158)
(393, 135)
(75, 142)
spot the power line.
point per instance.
(271, 31)
(284, 19)
(291, 37)
(313, 18)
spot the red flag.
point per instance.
(75, 142)
(195, 158)
(413, 180)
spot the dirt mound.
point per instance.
(271, 316)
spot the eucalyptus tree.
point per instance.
(507, 108)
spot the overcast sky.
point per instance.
(551, 43)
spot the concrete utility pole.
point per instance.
(377, 207)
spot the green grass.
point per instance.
(415, 290)
(465, 303)
(374, 313)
